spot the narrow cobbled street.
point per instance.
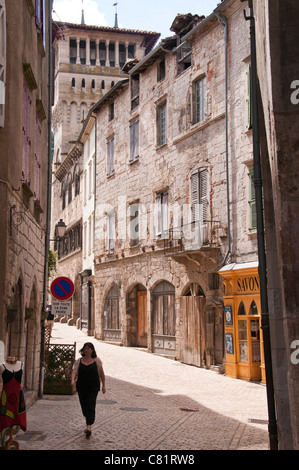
(151, 403)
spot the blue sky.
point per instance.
(145, 15)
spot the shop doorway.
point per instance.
(248, 339)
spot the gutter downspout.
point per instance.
(222, 20)
(258, 184)
(48, 219)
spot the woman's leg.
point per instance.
(90, 408)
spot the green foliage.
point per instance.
(52, 263)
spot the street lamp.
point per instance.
(60, 229)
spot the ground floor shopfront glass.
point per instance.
(243, 335)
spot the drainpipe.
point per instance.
(258, 184)
(222, 20)
(48, 216)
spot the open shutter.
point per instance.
(110, 156)
(134, 140)
(195, 197)
(110, 241)
(203, 194)
(2, 60)
(164, 213)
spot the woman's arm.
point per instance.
(103, 379)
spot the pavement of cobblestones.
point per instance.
(145, 406)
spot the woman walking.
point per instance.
(88, 373)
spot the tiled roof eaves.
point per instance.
(108, 29)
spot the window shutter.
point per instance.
(2, 60)
(110, 240)
(134, 140)
(26, 133)
(164, 212)
(199, 196)
(37, 161)
(195, 197)
(110, 156)
(38, 13)
(158, 214)
(252, 204)
(203, 193)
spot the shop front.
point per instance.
(243, 335)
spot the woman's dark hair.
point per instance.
(91, 346)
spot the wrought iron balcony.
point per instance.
(193, 237)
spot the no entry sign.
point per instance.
(62, 288)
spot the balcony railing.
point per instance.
(192, 237)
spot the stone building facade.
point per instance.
(24, 155)
(88, 62)
(173, 184)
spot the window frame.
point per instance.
(134, 140)
(199, 100)
(110, 156)
(161, 121)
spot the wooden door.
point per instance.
(192, 330)
(141, 318)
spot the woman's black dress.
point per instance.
(88, 386)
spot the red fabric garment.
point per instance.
(12, 403)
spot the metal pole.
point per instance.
(258, 184)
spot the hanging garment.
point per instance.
(12, 403)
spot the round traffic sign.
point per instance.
(62, 288)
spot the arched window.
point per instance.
(83, 83)
(73, 82)
(103, 85)
(253, 308)
(241, 310)
(73, 112)
(93, 84)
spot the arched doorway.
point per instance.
(163, 319)
(111, 316)
(192, 326)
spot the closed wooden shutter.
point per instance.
(26, 134)
(37, 165)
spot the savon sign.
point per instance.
(249, 284)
